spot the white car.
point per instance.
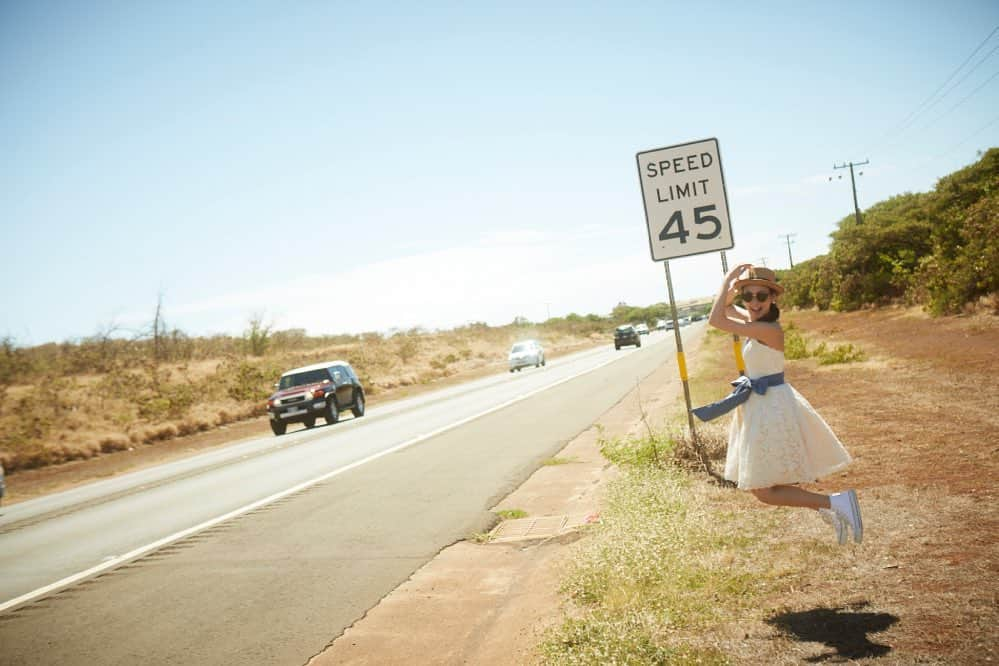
(525, 353)
(661, 325)
(642, 329)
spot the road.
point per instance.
(265, 551)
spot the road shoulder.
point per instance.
(491, 603)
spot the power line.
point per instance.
(963, 78)
(965, 99)
(967, 138)
(911, 117)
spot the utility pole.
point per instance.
(788, 238)
(853, 183)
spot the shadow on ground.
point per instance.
(845, 630)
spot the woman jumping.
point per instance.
(776, 439)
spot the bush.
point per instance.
(258, 336)
(795, 346)
(940, 249)
(246, 381)
(838, 354)
(169, 401)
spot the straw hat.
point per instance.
(760, 276)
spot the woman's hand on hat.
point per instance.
(733, 275)
(737, 271)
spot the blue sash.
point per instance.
(743, 387)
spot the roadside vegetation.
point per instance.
(678, 558)
(938, 249)
(672, 559)
(119, 389)
(797, 345)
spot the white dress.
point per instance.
(778, 438)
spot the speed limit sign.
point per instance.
(686, 207)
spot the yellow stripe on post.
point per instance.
(737, 348)
(681, 361)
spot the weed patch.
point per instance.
(666, 562)
(511, 514)
(662, 449)
(839, 354)
(796, 347)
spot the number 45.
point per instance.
(676, 220)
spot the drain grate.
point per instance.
(541, 527)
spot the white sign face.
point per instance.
(686, 208)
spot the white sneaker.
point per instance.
(847, 506)
(836, 521)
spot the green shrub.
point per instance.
(257, 336)
(839, 354)
(795, 345)
(247, 381)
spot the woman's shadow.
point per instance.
(844, 630)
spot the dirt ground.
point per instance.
(921, 419)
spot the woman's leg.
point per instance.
(841, 509)
(791, 496)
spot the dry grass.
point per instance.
(67, 411)
(672, 561)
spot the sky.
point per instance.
(349, 167)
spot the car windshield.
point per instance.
(623, 329)
(301, 378)
(520, 346)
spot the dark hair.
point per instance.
(773, 315)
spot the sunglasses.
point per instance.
(761, 296)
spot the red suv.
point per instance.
(323, 389)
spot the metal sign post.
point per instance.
(681, 361)
(686, 212)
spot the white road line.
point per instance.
(177, 536)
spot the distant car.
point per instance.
(626, 335)
(683, 321)
(322, 389)
(661, 325)
(669, 324)
(697, 317)
(526, 353)
(642, 329)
